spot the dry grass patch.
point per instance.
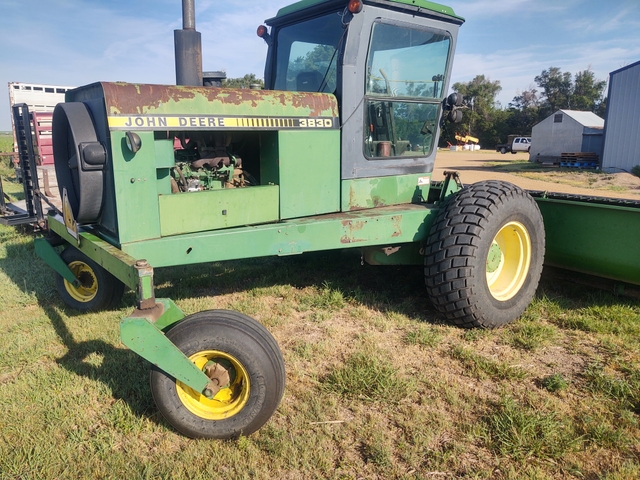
(377, 386)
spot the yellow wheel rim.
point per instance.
(508, 261)
(88, 287)
(229, 400)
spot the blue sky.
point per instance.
(75, 42)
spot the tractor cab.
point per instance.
(387, 62)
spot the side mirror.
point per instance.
(453, 105)
(455, 99)
(455, 116)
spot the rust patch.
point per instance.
(316, 103)
(138, 99)
(351, 227)
(378, 202)
(396, 220)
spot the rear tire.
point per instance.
(98, 290)
(503, 150)
(484, 255)
(256, 367)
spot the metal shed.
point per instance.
(566, 132)
(622, 131)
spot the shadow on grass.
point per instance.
(122, 371)
(385, 288)
(398, 289)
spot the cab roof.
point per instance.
(411, 5)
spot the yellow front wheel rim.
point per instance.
(508, 261)
(229, 401)
(88, 287)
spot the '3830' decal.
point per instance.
(217, 122)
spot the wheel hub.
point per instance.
(508, 261)
(494, 257)
(226, 393)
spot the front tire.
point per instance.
(256, 371)
(484, 255)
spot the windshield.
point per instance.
(407, 62)
(406, 69)
(306, 55)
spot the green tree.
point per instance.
(587, 91)
(557, 88)
(524, 113)
(479, 119)
(243, 82)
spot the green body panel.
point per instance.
(592, 238)
(114, 260)
(215, 209)
(146, 339)
(309, 164)
(361, 193)
(383, 226)
(51, 257)
(164, 163)
(136, 187)
(423, 4)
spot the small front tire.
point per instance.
(256, 370)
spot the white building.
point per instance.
(566, 131)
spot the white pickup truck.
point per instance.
(514, 145)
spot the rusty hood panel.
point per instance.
(128, 101)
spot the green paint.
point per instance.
(599, 240)
(50, 256)
(148, 341)
(136, 188)
(380, 227)
(215, 209)
(424, 4)
(114, 260)
(309, 172)
(269, 157)
(146, 282)
(364, 193)
(171, 315)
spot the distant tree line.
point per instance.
(243, 82)
(485, 119)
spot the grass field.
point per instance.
(377, 386)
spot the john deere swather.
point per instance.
(337, 152)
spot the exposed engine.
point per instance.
(206, 161)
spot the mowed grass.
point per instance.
(377, 386)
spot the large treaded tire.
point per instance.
(257, 384)
(458, 265)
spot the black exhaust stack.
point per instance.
(188, 44)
